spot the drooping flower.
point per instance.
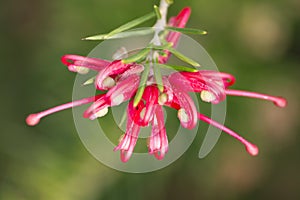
(121, 81)
(213, 87)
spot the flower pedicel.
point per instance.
(137, 79)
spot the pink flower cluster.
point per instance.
(121, 80)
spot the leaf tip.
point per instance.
(136, 101)
(88, 38)
(160, 88)
(95, 37)
(197, 65)
(157, 11)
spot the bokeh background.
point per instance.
(256, 40)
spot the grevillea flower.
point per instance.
(123, 81)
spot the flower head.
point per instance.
(137, 79)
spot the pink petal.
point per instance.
(133, 70)
(115, 68)
(100, 104)
(136, 112)
(158, 144)
(227, 79)
(179, 21)
(168, 89)
(124, 90)
(73, 61)
(150, 96)
(128, 142)
(200, 81)
(120, 93)
(189, 119)
(188, 81)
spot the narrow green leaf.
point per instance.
(157, 12)
(141, 55)
(121, 35)
(162, 53)
(176, 53)
(142, 85)
(133, 23)
(177, 68)
(158, 77)
(165, 46)
(187, 30)
(97, 37)
(124, 27)
(183, 57)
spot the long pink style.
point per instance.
(34, 119)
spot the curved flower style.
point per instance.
(121, 81)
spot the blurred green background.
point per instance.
(256, 40)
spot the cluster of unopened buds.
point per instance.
(137, 78)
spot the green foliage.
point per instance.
(123, 28)
(187, 30)
(177, 68)
(142, 85)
